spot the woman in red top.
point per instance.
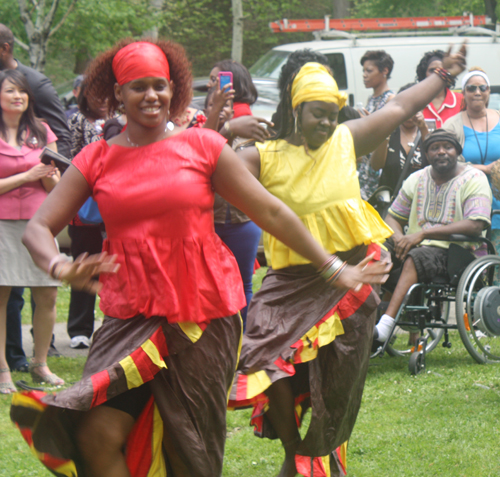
(162, 363)
(447, 103)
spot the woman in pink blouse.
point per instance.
(24, 184)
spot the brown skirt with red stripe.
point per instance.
(189, 369)
(297, 318)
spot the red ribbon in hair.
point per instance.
(140, 60)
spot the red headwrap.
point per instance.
(140, 60)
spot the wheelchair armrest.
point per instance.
(465, 238)
(476, 238)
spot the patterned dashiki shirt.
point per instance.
(424, 204)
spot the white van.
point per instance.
(345, 55)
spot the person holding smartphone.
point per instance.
(24, 185)
(245, 91)
(235, 228)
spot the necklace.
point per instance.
(168, 127)
(410, 143)
(483, 159)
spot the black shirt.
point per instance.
(396, 158)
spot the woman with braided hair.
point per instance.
(153, 396)
(308, 344)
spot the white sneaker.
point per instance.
(80, 342)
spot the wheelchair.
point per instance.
(426, 310)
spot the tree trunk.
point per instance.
(153, 32)
(237, 50)
(38, 22)
(490, 10)
(341, 8)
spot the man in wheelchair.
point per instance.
(447, 197)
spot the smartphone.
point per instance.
(431, 124)
(225, 77)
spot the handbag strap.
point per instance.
(407, 165)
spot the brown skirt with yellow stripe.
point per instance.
(297, 318)
(189, 369)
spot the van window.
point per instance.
(269, 65)
(337, 64)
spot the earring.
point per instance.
(296, 129)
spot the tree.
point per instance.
(38, 20)
(490, 7)
(416, 8)
(237, 50)
(94, 26)
(341, 8)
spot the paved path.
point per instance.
(62, 340)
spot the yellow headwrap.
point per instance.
(315, 83)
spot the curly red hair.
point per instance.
(100, 79)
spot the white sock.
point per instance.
(384, 327)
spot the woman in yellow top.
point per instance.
(307, 344)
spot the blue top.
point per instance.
(472, 154)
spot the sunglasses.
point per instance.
(471, 88)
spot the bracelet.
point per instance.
(55, 261)
(332, 268)
(334, 277)
(327, 263)
(57, 275)
(445, 75)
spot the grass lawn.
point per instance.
(445, 422)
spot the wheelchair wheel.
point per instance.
(399, 344)
(416, 363)
(478, 309)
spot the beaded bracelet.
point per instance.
(445, 75)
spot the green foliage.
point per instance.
(203, 27)
(415, 8)
(98, 25)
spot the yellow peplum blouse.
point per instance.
(321, 186)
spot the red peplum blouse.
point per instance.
(157, 204)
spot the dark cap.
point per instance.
(442, 135)
(77, 82)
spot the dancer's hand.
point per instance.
(81, 273)
(455, 63)
(364, 272)
(250, 127)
